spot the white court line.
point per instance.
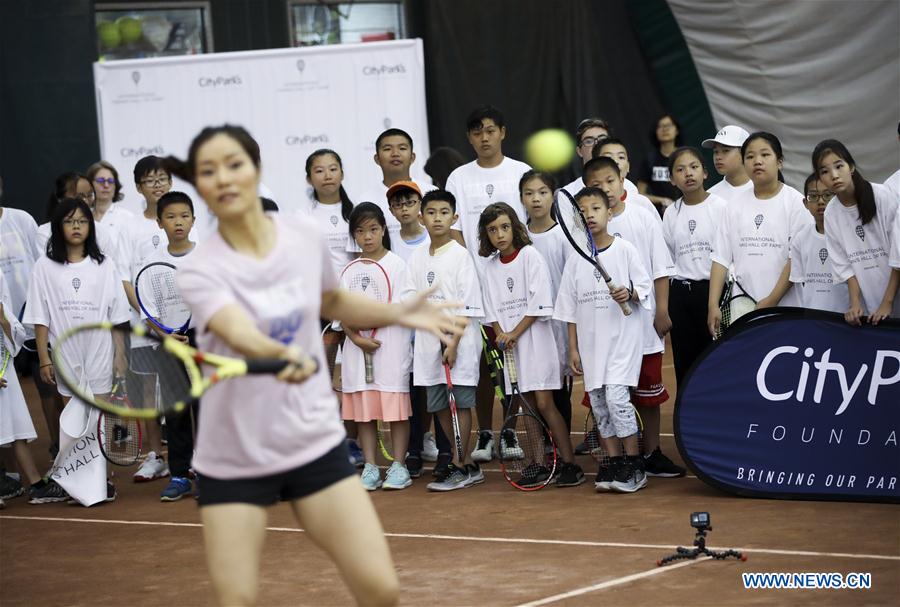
(466, 538)
(610, 583)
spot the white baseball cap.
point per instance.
(731, 135)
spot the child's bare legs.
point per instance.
(557, 425)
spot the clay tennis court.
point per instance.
(487, 545)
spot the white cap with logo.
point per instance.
(731, 135)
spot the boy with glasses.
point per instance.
(589, 133)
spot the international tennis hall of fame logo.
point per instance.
(301, 75)
(132, 86)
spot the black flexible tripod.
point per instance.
(699, 548)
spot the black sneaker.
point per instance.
(630, 476)
(10, 487)
(414, 466)
(570, 475)
(657, 464)
(591, 439)
(442, 466)
(605, 476)
(47, 493)
(534, 475)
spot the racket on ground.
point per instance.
(88, 358)
(575, 227)
(368, 278)
(538, 465)
(734, 303)
(454, 414)
(384, 442)
(595, 445)
(159, 299)
(120, 438)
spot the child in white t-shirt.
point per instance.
(726, 147)
(689, 227)
(446, 269)
(387, 397)
(605, 345)
(756, 233)
(404, 199)
(811, 268)
(858, 223)
(615, 149)
(519, 306)
(642, 227)
(331, 206)
(589, 133)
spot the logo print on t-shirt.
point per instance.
(861, 233)
(489, 188)
(758, 220)
(692, 225)
(333, 220)
(597, 275)
(823, 255)
(510, 283)
(155, 240)
(617, 235)
(430, 278)
(76, 284)
(364, 283)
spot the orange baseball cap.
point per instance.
(403, 185)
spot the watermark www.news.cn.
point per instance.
(797, 581)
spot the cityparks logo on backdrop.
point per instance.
(219, 81)
(140, 152)
(384, 70)
(304, 140)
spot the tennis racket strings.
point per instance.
(159, 298)
(367, 278)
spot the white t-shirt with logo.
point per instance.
(728, 192)
(256, 425)
(475, 188)
(63, 296)
(812, 273)
(755, 237)
(895, 242)
(15, 421)
(610, 343)
(452, 270)
(18, 252)
(404, 248)
(392, 361)
(115, 219)
(638, 226)
(516, 289)
(336, 231)
(863, 250)
(577, 185)
(555, 249)
(689, 230)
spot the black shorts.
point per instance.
(292, 484)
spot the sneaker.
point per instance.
(584, 447)
(476, 476)
(606, 475)
(48, 493)
(534, 475)
(657, 464)
(570, 475)
(457, 478)
(111, 493)
(152, 468)
(397, 477)
(429, 448)
(177, 488)
(10, 487)
(371, 477)
(442, 466)
(414, 466)
(509, 445)
(356, 455)
(630, 476)
(484, 450)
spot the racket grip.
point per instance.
(626, 307)
(370, 367)
(263, 366)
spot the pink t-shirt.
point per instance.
(258, 426)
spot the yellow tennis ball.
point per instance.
(549, 149)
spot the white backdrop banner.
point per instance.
(805, 70)
(293, 101)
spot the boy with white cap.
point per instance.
(726, 146)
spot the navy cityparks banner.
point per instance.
(796, 404)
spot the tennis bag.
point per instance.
(796, 404)
(80, 467)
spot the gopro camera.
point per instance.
(700, 520)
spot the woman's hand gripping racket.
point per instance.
(537, 467)
(368, 278)
(88, 358)
(159, 299)
(577, 232)
(120, 438)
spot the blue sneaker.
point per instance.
(397, 477)
(177, 488)
(371, 477)
(356, 455)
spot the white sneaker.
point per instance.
(429, 448)
(152, 468)
(484, 450)
(509, 445)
